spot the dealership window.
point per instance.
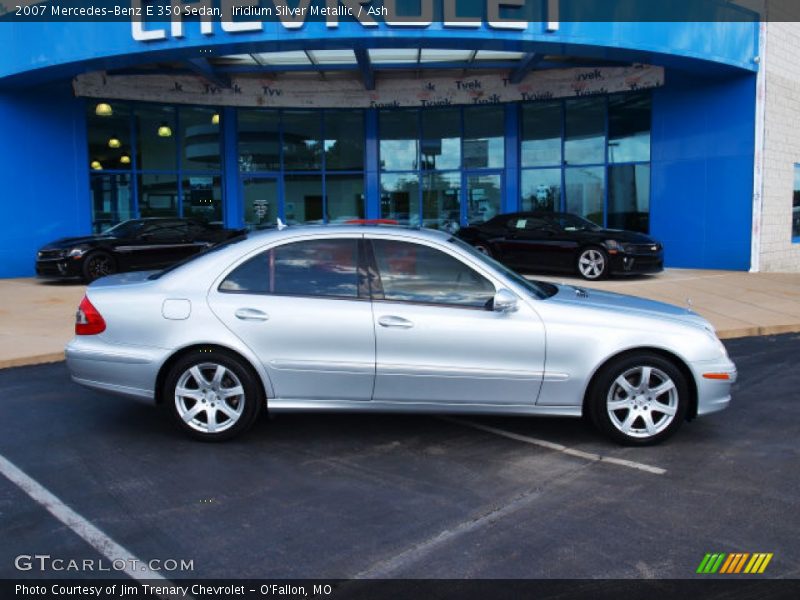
(796, 206)
(437, 165)
(169, 156)
(304, 166)
(588, 156)
(112, 200)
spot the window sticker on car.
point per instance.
(521, 223)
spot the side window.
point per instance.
(416, 273)
(325, 268)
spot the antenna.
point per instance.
(281, 225)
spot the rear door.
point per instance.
(303, 308)
(437, 338)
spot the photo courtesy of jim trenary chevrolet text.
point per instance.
(358, 299)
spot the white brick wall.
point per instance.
(781, 146)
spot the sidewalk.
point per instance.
(37, 318)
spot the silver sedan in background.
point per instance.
(388, 319)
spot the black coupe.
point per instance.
(138, 244)
(545, 241)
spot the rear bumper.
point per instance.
(120, 370)
(713, 394)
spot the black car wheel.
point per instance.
(593, 263)
(98, 264)
(213, 396)
(639, 399)
(483, 249)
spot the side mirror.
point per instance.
(504, 302)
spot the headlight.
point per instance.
(614, 246)
(77, 252)
(717, 342)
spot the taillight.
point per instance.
(87, 320)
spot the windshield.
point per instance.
(209, 250)
(540, 289)
(126, 229)
(574, 223)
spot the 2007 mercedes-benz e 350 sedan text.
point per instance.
(367, 318)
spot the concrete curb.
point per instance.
(25, 361)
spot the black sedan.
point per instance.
(545, 241)
(133, 245)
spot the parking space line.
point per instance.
(102, 543)
(558, 447)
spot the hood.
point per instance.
(71, 242)
(568, 294)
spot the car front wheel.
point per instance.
(98, 264)
(593, 264)
(639, 400)
(213, 396)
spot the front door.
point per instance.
(261, 197)
(303, 308)
(438, 339)
(484, 194)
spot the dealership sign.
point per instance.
(270, 92)
(159, 21)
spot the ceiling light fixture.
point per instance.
(215, 119)
(125, 159)
(96, 165)
(114, 142)
(103, 109)
(164, 131)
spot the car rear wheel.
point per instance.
(213, 396)
(593, 263)
(483, 249)
(639, 400)
(98, 264)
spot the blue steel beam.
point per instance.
(365, 66)
(201, 66)
(526, 63)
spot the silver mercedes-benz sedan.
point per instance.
(371, 318)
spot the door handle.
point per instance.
(251, 314)
(392, 321)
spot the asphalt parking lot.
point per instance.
(341, 496)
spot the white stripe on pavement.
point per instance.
(134, 568)
(558, 447)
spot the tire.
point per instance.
(483, 249)
(213, 396)
(633, 412)
(98, 264)
(592, 263)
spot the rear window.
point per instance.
(324, 268)
(192, 258)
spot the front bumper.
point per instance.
(713, 393)
(627, 263)
(58, 267)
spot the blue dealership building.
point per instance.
(439, 120)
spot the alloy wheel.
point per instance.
(100, 266)
(642, 402)
(209, 397)
(592, 263)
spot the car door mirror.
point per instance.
(505, 301)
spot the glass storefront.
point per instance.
(590, 157)
(442, 167)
